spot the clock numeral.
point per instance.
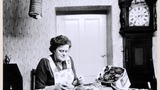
(131, 24)
(130, 8)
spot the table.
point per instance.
(90, 86)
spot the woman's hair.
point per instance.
(58, 41)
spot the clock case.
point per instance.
(124, 18)
(137, 46)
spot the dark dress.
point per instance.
(44, 74)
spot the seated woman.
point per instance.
(58, 69)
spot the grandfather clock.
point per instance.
(138, 23)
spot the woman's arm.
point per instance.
(41, 75)
(73, 68)
(77, 80)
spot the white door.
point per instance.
(88, 36)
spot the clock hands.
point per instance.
(138, 16)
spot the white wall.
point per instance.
(26, 39)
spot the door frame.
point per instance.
(93, 10)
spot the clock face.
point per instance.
(139, 15)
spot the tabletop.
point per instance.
(90, 86)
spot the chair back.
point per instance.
(33, 77)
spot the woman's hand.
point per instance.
(78, 81)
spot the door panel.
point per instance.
(88, 36)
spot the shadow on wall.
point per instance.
(15, 17)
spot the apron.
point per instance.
(65, 76)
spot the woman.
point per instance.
(58, 69)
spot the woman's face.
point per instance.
(61, 53)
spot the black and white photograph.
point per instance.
(80, 45)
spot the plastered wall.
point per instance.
(26, 40)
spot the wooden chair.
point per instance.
(33, 77)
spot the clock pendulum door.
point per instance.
(138, 54)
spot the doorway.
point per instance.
(89, 35)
